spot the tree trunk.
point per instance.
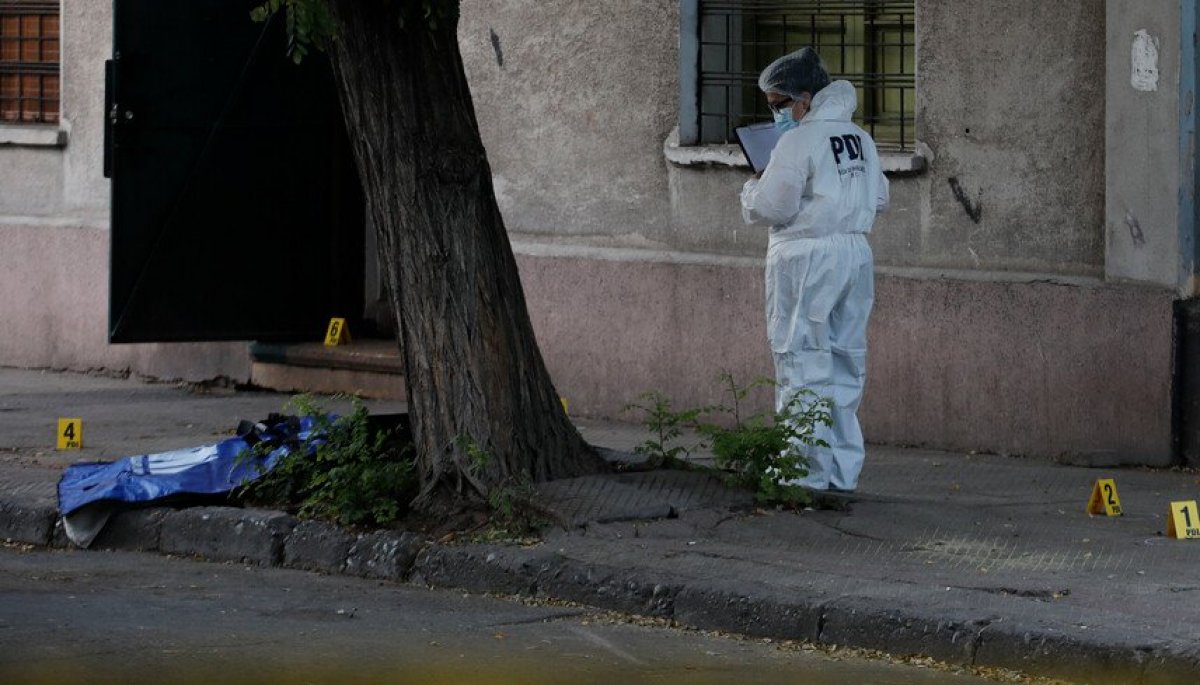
(474, 374)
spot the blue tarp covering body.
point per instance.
(207, 470)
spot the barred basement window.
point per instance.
(29, 49)
(725, 44)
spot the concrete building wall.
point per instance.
(1143, 124)
(1078, 371)
(66, 182)
(1011, 101)
(576, 101)
(54, 231)
(85, 190)
(991, 332)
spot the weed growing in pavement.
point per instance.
(513, 511)
(761, 453)
(347, 471)
(667, 426)
(765, 451)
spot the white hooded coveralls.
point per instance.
(819, 194)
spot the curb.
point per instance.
(962, 629)
(901, 622)
(27, 522)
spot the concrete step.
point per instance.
(369, 368)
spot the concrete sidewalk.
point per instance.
(978, 560)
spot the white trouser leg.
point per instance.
(819, 298)
(795, 372)
(846, 438)
(848, 342)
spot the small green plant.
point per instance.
(512, 504)
(666, 426)
(478, 458)
(514, 509)
(763, 453)
(346, 472)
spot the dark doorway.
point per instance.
(236, 209)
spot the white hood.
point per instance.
(836, 102)
(824, 176)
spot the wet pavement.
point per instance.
(76, 617)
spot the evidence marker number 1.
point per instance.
(1183, 521)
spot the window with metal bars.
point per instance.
(871, 43)
(29, 61)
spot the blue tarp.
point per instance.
(206, 470)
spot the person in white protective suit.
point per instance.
(819, 195)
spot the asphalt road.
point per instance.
(111, 617)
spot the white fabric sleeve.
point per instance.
(774, 200)
(883, 196)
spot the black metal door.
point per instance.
(236, 210)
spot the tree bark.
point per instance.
(474, 374)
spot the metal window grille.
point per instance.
(871, 43)
(29, 61)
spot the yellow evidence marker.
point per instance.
(337, 333)
(1104, 498)
(70, 434)
(563, 400)
(1183, 522)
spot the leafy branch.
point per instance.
(309, 24)
(345, 471)
(666, 425)
(312, 24)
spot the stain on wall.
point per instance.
(1144, 58)
(974, 209)
(1135, 230)
(1011, 95)
(496, 48)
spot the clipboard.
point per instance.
(757, 141)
